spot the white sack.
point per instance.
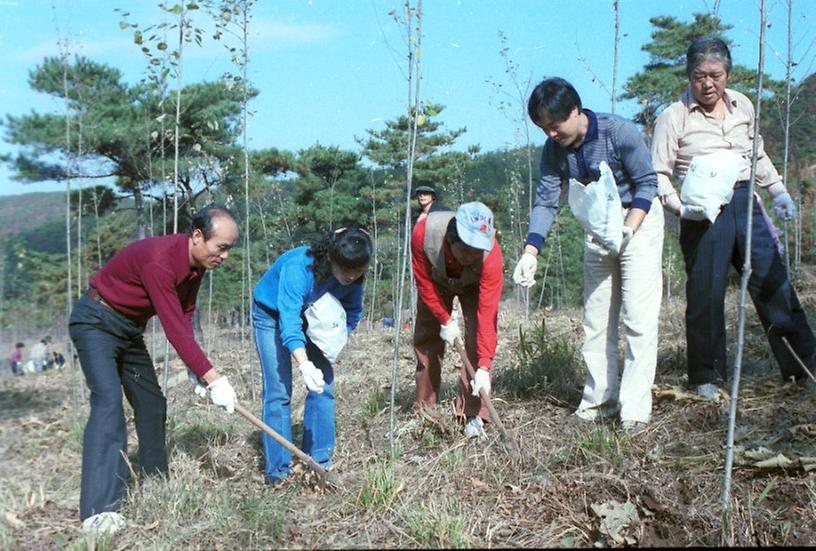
(597, 206)
(326, 326)
(709, 182)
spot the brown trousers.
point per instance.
(430, 350)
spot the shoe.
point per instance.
(806, 383)
(474, 428)
(708, 391)
(574, 421)
(274, 482)
(103, 523)
(633, 428)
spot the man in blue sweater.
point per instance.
(628, 279)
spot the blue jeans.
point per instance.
(318, 417)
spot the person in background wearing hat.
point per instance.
(629, 280)
(456, 255)
(426, 197)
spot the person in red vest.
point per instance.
(456, 255)
(155, 276)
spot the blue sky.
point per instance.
(330, 69)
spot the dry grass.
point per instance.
(440, 490)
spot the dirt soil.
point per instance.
(567, 487)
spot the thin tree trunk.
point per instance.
(746, 274)
(616, 6)
(176, 132)
(786, 156)
(68, 173)
(413, 112)
(245, 117)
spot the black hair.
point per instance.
(556, 97)
(708, 47)
(203, 219)
(19, 345)
(348, 247)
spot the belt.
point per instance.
(94, 295)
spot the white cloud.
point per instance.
(277, 33)
(264, 33)
(80, 46)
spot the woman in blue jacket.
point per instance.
(298, 278)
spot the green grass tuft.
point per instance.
(379, 486)
(547, 362)
(436, 526)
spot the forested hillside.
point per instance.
(30, 211)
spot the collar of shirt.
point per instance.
(692, 105)
(591, 136)
(592, 128)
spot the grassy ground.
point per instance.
(566, 488)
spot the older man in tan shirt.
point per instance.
(709, 118)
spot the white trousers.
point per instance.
(631, 283)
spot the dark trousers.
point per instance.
(114, 358)
(708, 249)
(430, 350)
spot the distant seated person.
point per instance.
(40, 354)
(56, 360)
(388, 322)
(38, 357)
(426, 198)
(16, 359)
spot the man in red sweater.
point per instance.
(457, 255)
(158, 275)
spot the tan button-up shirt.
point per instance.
(684, 130)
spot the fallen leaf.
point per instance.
(652, 504)
(615, 519)
(777, 462)
(479, 485)
(513, 488)
(12, 520)
(759, 454)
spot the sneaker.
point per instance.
(633, 428)
(107, 523)
(708, 391)
(474, 428)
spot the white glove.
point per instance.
(692, 212)
(222, 394)
(784, 207)
(198, 387)
(481, 382)
(450, 332)
(524, 274)
(312, 376)
(628, 234)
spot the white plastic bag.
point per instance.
(709, 182)
(326, 326)
(597, 206)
